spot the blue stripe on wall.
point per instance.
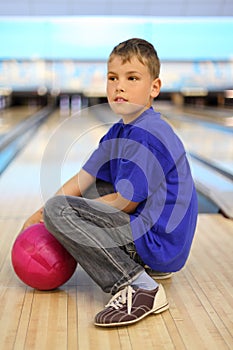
(87, 38)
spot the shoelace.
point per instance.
(121, 298)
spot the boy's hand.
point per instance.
(35, 218)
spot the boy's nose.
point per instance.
(120, 88)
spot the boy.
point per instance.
(133, 204)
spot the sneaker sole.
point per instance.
(160, 277)
(116, 324)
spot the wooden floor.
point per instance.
(200, 295)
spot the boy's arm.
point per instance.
(117, 201)
(77, 185)
(73, 187)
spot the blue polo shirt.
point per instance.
(146, 162)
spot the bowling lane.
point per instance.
(209, 140)
(210, 145)
(17, 125)
(10, 117)
(54, 153)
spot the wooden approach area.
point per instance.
(200, 295)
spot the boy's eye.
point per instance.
(112, 78)
(133, 78)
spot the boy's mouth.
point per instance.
(120, 100)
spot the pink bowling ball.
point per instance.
(39, 260)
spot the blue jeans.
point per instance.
(98, 236)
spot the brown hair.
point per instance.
(142, 50)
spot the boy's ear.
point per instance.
(155, 87)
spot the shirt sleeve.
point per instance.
(97, 165)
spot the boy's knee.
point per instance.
(53, 207)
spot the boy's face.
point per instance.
(130, 88)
